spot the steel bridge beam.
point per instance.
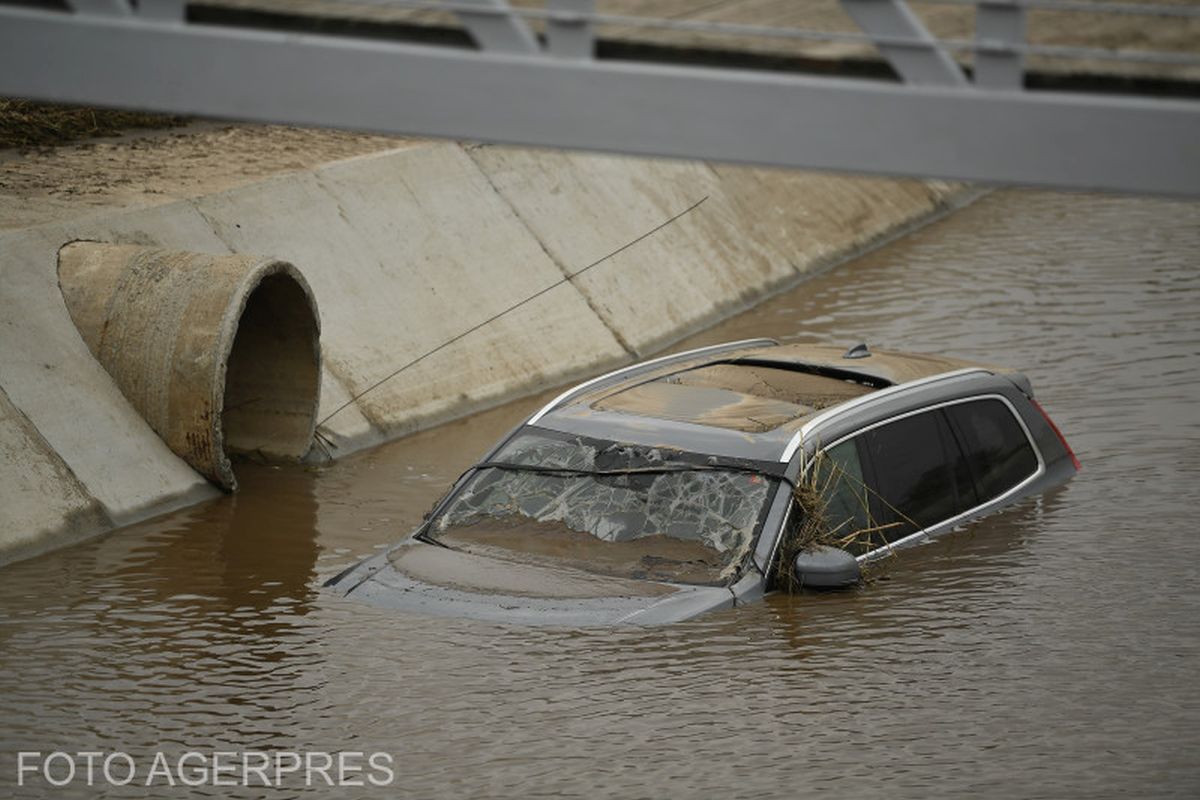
(501, 32)
(923, 63)
(998, 25)
(1071, 140)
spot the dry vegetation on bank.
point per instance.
(26, 124)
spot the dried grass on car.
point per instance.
(816, 529)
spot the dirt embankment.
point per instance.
(25, 124)
(142, 168)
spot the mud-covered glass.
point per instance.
(646, 513)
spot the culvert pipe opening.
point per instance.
(273, 373)
(220, 354)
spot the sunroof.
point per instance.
(742, 397)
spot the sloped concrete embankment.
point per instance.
(403, 250)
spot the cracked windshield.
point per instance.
(612, 509)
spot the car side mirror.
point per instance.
(824, 567)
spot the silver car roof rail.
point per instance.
(656, 362)
(868, 399)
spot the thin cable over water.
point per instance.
(511, 308)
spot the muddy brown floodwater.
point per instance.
(1049, 651)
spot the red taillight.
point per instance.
(1057, 433)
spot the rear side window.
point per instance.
(997, 450)
(920, 479)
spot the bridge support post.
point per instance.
(999, 25)
(926, 63)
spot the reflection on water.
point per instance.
(261, 559)
(1048, 651)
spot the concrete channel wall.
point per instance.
(404, 250)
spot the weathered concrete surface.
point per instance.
(52, 379)
(414, 248)
(215, 352)
(43, 500)
(405, 250)
(757, 230)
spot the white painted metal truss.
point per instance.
(517, 86)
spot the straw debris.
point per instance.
(27, 124)
(815, 527)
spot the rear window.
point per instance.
(996, 447)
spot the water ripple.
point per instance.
(1048, 651)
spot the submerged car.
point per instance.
(668, 489)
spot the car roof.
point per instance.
(740, 400)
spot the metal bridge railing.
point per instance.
(955, 106)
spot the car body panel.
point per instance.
(1055, 465)
(435, 581)
(451, 583)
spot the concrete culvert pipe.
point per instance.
(220, 354)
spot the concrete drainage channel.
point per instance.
(142, 347)
(220, 354)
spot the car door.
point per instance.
(893, 479)
(918, 473)
(911, 473)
